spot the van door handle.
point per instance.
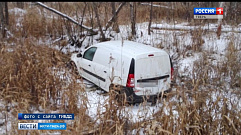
(104, 71)
(89, 65)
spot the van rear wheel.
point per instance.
(119, 94)
(121, 98)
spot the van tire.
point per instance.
(119, 94)
(121, 98)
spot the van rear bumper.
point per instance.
(133, 98)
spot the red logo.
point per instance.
(219, 11)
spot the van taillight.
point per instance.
(172, 70)
(130, 81)
(131, 78)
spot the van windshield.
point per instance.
(89, 54)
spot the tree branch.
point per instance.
(67, 17)
(98, 20)
(113, 17)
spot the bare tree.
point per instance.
(219, 23)
(186, 7)
(83, 14)
(6, 13)
(98, 21)
(115, 25)
(106, 7)
(91, 14)
(133, 18)
(114, 17)
(2, 19)
(77, 40)
(149, 26)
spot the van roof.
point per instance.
(130, 47)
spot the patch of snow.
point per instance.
(186, 64)
(16, 11)
(137, 112)
(225, 28)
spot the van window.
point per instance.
(89, 54)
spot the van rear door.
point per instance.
(152, 74)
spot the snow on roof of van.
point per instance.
(130, 47)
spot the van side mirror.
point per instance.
(79, 55)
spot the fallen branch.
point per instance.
(189, 28)
(67, 17)
(154, 5)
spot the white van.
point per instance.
(142, 71)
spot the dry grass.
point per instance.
(30, 78)
(203, 103)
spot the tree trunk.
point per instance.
(106, 5)
(149, 26)
(2, 20)
(98, 21)
(133, 19)
(91, 21)
(6, 13)
(219, 23)
(83, 15)
(236, 9)
(113, 17)
(115, 25)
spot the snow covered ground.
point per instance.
(137, 112)
(166, 38)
